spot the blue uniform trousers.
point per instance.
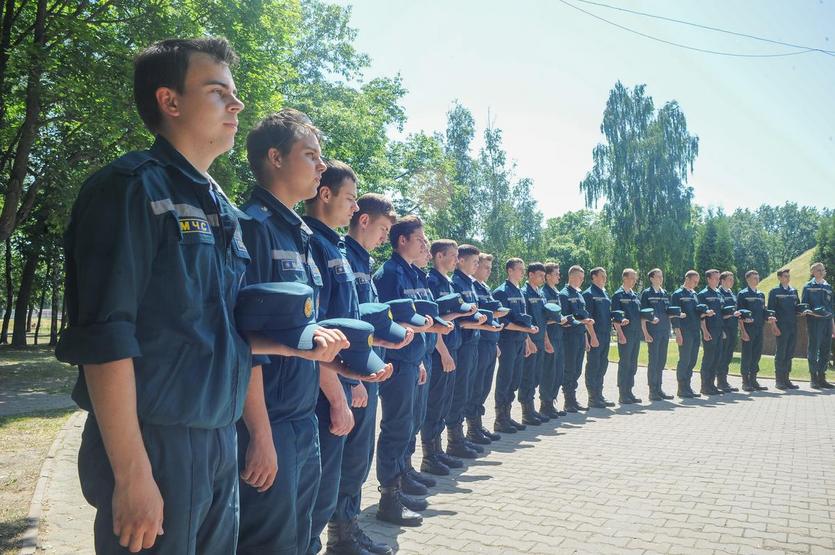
(820, 344)
(575, 348)
(509, 372)
(728, 346)
(752, 351)
(711, 358)
(688, 354)
(657, 357)
(628, 362)
(397, 398)
(465, 366)
(553, 372)
(439, 398)
(482, 381)
(531, 375)
(597, 362)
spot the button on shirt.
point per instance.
(154, 266)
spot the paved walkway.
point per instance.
(734, 474)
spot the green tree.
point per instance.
(825, 250)
(750, 242)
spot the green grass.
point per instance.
(800, 370)
(799, 273)
(34, 369)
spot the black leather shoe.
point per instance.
(461, 451)
(664, 395)
(756, 385)
(378, 548)
(475, 436)
(529, 415)
(782, 386)
(433, 465)
(597, 404)
(421, 478)
(548, 409)
(825, 384)
(791, 385)
(450, 461)
(410, 486)
(477, 448)
(655, 397)
(341, 540)
(607, 402)
(502, 423)
(490, 435)
(518, 425)
(413, 503)
(391, 509)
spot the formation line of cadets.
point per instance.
(232, 360)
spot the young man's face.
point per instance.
(657, 279)
(576, 279)
(819, 273)
(425, 257)
(468, 264)
(728, 282)
(599, 279)
(553, 278)
(536, 278)
(753, 280)
(207, 108)
(378, 229)
(784, 279)
(691, 282)
(515, 272)
(301, 169)
(629, 281)
(340, 206)
(713, 281)
(410, 247)
(485, 267)
(445, 260)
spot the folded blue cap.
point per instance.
(359, 357)
(581, 314)
(618, 315)
(648, 314)
(801, 307)
(745, 314)
(489, 315)
(282, 312)
(453, 304)
(701, 308)
(429, 308)
(403, 311)
(673, 310)
(379, 316)
(524, 320)
(728, 310)
(553, 312)
(821, 312)
(770, 314)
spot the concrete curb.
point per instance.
(29, 539)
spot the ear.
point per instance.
(364, 220)
(325, 194)
(167, 102)
(274, 157)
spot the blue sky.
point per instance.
(544, 70)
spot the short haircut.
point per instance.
(816, 266)
(536, 267)
(783, 271)
(334, 177)
(404, 227)
(597, 270)
(280, 130)
(375, 205)
(711, 272)
(652, 273)
(725, 275)
(691, 273)
(551, 267)
(576, 269)
(165, 64)
(482, 256)
(628, 272)
(468, 250)
(439, 246)
(512, 263)
(750, 273)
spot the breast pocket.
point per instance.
(288, 266)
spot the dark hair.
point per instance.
(783, 271)
(651, 273)
(375, 205)
(725, 274)
(165, 64)
(750, 273)
(482, 256)
(597, 270)
(333, 178)
(404, 227)
(512, 263)
(691, 273)
(536, 267)
(280, 130)
(468, 250)
(711, 272)
(441, 245)
(551, 267)
(576, 269)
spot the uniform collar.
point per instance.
(553, 289)
(321, 228)
(463, 275)
(508, 282)
(271, 201)
(400, 260)
(787, 288)
(165, 152)
(596, 288)
(629, 292)
(530, 287)
(357, 249)
(437, 273)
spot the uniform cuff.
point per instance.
(98, 343)
(260, 360)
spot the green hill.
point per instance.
(799, 272)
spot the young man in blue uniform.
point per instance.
(783, 300)
(687, 330)
(730, 331)
(656, 333)
(511, 346)
(629, 335)
(577, 338)
(397, 279)
(598, 305)
(537, 344)
(487, 355)
(467, 361)
(711, 325)
(751, 331)
(817, 293)
(369, 229)
(553, 364)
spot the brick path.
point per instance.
(735, 474)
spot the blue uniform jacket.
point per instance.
(484, 295)
(397, 279)
(714, 301)
(783, 301)
(554, 331)
(599, 306)
(818, 295)
(535, 306)
(658, 301)
(511, 297)
(755, 302)
(687, 300)
(630, 304)
(572, 301)
(440, 285)
(463, 284)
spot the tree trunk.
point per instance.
(4, 334)
(23, 295)
(30, 125)
(40, 313)
(5, 40)
(29, 314)
(53, 324)
(63, 311)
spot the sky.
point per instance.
(543, 71)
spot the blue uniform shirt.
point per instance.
(552, 295)
(572, 301)
(361, 262)
(599, 306)
(279, 242)
(511, 297)
(154, 266)
(484, 295)
(818, 295)
(728, 299)
(755, 302)
(441, 285)
(714, 301)
(338, 295)
(783, 300)
(535, 306)
(687, 300)
(658, 301)
(463, 284)
(396, 279)
(430, 338)
(630, 304)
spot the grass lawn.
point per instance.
(34, 369)
(800, 369)
(799, 274)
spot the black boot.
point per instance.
(548, 409)
(606, 402)
(451, 462)
(815, 381)
(421, 478)
(410, 486)
(391, 508)
(722, 383)
(431, 463)
(474, 434)
(341, 540)
(781, 381)
(378, 548)
(790, 384)
(822, 381)
(455, 444)
(655, 395)
(477, 448)
(756, 385)
(502, 423)
(518, 425)
(485, 432)
(570, 403)
(413, 503)
(596, 400)
(684, 390)
(746, 383)
(529, 416)
(542, 417)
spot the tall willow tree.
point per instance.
(640, 173)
